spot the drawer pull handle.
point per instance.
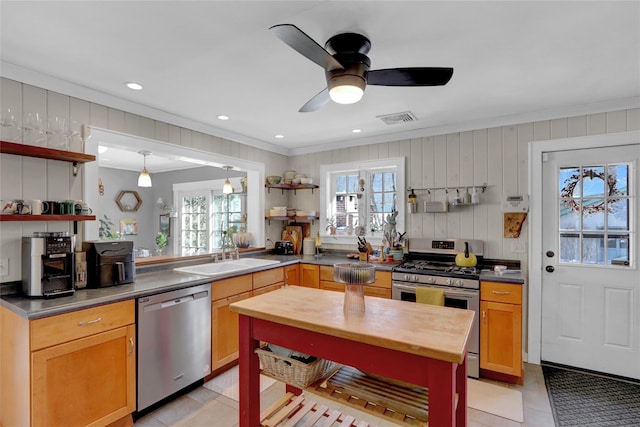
(484, 316)
(131, 346)
(90, 322)
(501, 292)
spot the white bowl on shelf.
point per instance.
(306, 181)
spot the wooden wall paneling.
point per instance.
(11, 102)
(132, 124)
(577, 126)
(440, 180)
(147, 128)
(414, 180)
(596, 124)
(616, 121)
(200, 142)
(161, 131)
(453, 180)
(467, 166)
(79, 114)
(186, 138)
(174, 135)
(633, 119)
(559, 128)
(493, 245)
(116, 120)
(99, 115)
(480, 171)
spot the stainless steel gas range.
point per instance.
(431, 263)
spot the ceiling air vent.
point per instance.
(396, 118)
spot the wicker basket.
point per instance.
(292, 371)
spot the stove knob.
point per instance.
(449, 282)
(459, 283)
(431, 280)
(407, 278)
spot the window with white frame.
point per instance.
(358, 198)
(208, 218)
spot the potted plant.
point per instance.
(106, 231)
(161, 241)
(331, 225)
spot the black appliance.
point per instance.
(47, 265)
(431, 263)
(284, 247)
(109, 263)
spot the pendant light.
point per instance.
(144, 180)
(227, 188)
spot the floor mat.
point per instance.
(493, 399)
(227, 382)
(586, 399)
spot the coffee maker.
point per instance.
(47, 265)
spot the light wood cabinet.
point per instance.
(381, 288)
(309, 276)
(291, 274)
(74, 369)
(501, 329)
(224, 323)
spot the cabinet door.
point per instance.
(501, 337)
(309, 276)
(332, 286)
(224, 331)
(291, 274)
(375, 291)
(87, 382)
(266, 289)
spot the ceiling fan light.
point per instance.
(346, 94)
(346, 89)
(144, 180)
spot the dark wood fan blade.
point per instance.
(416, 76)
(316, 102)
(305, 45)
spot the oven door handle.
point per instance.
(403, 287)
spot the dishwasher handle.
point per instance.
(183, 299)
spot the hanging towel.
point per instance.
(429, 296)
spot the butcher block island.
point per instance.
(421, 344)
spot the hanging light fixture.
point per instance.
(227, 188)
(144, 180)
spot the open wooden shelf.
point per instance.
(293, 187)
(12, 217)
(44, 153)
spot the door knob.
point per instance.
(550, 254)
(549, 268)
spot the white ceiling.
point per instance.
(513, 61)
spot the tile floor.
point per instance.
(203, 407)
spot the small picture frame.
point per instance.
(165, 224)
(128, 227)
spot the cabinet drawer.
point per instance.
(383, 279)
(501, 292)
(326, 273)
(232, 286)
(268, 277)
(58, 329)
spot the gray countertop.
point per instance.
(148, 283)
(510, 277)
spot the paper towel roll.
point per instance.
(308, 246)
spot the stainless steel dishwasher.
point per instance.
(174, 342)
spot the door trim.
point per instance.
(536, 153)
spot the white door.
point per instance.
(590, 276)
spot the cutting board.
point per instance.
(513, 224)
(294, 235)
(306, 228)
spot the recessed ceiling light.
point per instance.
(223, 117)
(279, 136)
(356, 130)
(134, 86)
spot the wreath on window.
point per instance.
(572, 182)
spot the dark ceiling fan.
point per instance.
(346, 67)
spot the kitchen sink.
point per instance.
(225, 267)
